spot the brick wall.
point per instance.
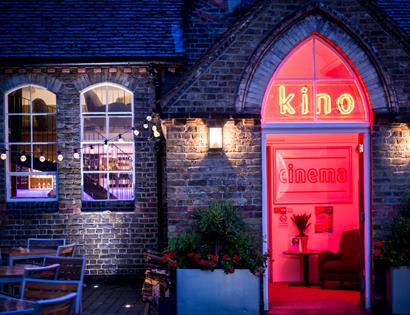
(112, 242)
(195, 176)
(205, 23)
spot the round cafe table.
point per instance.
(306, 254)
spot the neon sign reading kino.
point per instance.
(314, 83)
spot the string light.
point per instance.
(3, 155)
(149, 120)
(135, 131)
(23, 157)
(76, 154)
(42, 157)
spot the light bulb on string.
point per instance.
(120, 138)
(3, 155)
(76, 155)
(135, 131)
(23, 157)
(105, 145)
(92, 149)
(154, 128)
(145, 126)
(149, 118)
(60, 157)
(42, 157)
(156, 134)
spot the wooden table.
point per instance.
(306, 254)
(21, 253)
(13, 273)
(11, 306)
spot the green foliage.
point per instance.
(302, 222)
(395, 251)
(219, 241)
(219, 223)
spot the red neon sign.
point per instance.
(312, 175)
(314, 83)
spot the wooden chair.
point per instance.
(71, 268)
(39, 289)
(48, 272)
(63, 305)
(46, 243)
(66, 250)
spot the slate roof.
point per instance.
(398, 11)
(90, 28)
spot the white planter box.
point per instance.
(216, 293)
(398, 288)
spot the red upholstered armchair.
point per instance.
(343, 265)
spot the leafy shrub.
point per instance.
(218, 241)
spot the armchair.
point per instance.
(343, 265)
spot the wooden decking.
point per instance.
(108, 299)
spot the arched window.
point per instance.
(107, 164)
(31, 143)
(315, 83)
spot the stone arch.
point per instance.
(49, 82)
(274, 49)
(121, 79)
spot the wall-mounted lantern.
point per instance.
(215, 138)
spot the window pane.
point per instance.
(19, 101)
(43, 100)
(33, 186)
(94, 159)
(94, 128)
(119, 100)
(15, 152)
(44, 128)
(19, 128)
(120, 157)
(121, 186)
(49, 151)
(95, 100)
(328, 63)
(119, 125)
(299, 63)
(95, 186)
(345, 101)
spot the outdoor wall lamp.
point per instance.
(215, 138)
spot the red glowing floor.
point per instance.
(300, 300)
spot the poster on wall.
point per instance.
(324, 219)
(311, 175)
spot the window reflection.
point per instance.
(31, 142)
(108, 165)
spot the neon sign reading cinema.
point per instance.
(314, 83)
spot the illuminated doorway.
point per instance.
(315, 120)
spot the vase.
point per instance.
(303, 242)
(398, 288)
(204, 292)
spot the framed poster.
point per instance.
(324, 219)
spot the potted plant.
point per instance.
(302, 223)
(394, 254)
(218, 264)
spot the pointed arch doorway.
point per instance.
(316, 118)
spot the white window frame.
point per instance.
(107, 115)
(31, 144)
